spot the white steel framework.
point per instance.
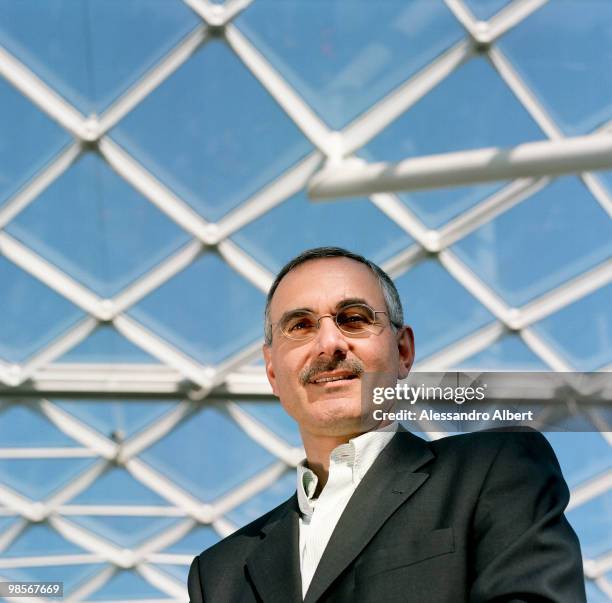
(178, 375)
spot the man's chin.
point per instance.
(336, 413)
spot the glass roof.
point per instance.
(153, 176)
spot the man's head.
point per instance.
(319, 378)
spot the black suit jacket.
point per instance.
(475, 517)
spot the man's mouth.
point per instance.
(329, 378)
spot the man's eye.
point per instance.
(353, 318)
(300, 324)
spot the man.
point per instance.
(384, 516)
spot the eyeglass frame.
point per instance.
(364, 333)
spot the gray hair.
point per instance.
(389, 291)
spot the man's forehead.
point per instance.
(326, 282)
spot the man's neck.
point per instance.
(319, 448)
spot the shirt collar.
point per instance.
(359, 453)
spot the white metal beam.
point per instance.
(528, 160)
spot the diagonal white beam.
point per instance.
(488, 209)
(169, 490)
(285, 186)
(528, 160)
(301, 114)
(566, 294)
(39, 183)
(41, 95)
(264, 436)
(404, 260)
(57, 348)
(482, 292)
(392, 207)
(379, 116)
(162, 350)
(145, 183)
(97, 581)
(9, 535)
(524, 94)
(245, 265)
(510, 16)
(51, 276)
(588, 490)
(542, 349)
(162, 581)
(599, 191)
(458, 351)
(156, 431)
(249, 489)
(153, 78)
(78, 430)
(464, 15)
(159, 275)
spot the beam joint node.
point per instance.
(90, 131)
(481, 37)
(514, 319)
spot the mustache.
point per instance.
(344, 364)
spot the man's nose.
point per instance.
(330, 340)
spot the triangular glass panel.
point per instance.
(196, 541)
(124, 531)
(231, 138)
(118, 487)
(32, 314)
(200, 310)
(472, 120)
(552, 237)
(264, 501)
(425, 291)
(272, 415)
(298, 224)
(127, 585)
(178, 572)
(582, 331)
(485, 9)
(344, 58)
(115, 418)
(41, 539)
(106, 345)
(97, 228)
(592, 522)
(606, 177)
(5, 524)
(594, 593)
(39, 478)
(562, 51)
(221, 455)
(510, 353)
(21, 426)
(29, 139)
(71, 575)
(595, 456)
(87, 50)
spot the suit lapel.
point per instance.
(387, 485)
(274, 565)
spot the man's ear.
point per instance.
(405, 346)
(267, 354)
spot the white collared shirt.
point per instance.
(348, 463)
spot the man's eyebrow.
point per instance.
(295, 311)
(350, 301)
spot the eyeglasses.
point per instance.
(354, 320)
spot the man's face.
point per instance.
(300, 372)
